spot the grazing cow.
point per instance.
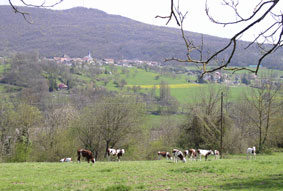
(192, 154)
(111, 152)
(120, 152)
(66, 160)
(114, 152)
(205, 153)
(178, 155)
(252, 152)
(173, 153)
(87, 154)
(164, 154)
(186, 153)
(216, 154)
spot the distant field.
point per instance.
(184, 92)
(3, 68)
(235, 173)
(173, 86)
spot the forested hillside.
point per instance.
(79, 30)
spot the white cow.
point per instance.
(252, 152)
(205, 153)
(178, 155)
(66, 160)
(216, 154)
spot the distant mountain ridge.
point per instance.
(79, 30)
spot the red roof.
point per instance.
(62, 86)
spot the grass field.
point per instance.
(232, 173)
(183, 91)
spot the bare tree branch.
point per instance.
(272, 33)
(172, 13)
(234, 6)
(26, 15)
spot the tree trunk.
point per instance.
(107, 145)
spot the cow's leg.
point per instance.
(79, 157)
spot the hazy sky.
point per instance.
(146, 10)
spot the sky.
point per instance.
(146, 10)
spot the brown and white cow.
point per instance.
(114, 152)
(252, 152)
(164, 154)
(205, 153)
(216, 154)
(173, 154)
(192, 154)
(178, 155)
(186, 153)
(87, 154)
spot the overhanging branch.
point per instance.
(273, 31)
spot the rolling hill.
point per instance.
(79, 30)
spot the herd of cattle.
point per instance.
(192, 154)
(177, 155)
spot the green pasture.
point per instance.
(183, 91)
(4, 67)
(233, 173)
(2, 88)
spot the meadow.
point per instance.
(231, 173)
(183, 91)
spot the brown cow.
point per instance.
(164, 154)
(192, 154)
(87, 154)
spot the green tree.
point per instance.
(201, 129)
(88, 130)
(117, 117)
(7, 116)
(27, 118)
(264, 104)
(164, 91)
(245, 80)
(55, 139)
(52, 83)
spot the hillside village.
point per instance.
(221, 77)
